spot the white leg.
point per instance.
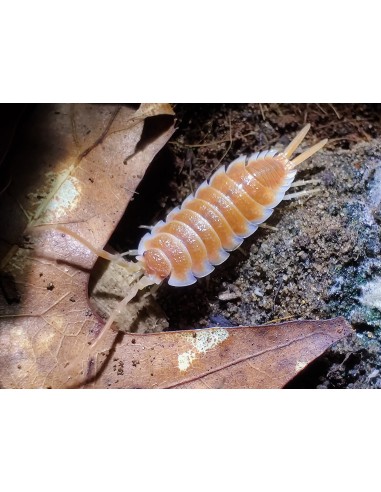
(266, 226)
(299, 194)
(149, 228)
(130, 252)
(303, 182)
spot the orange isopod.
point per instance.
(224, 210)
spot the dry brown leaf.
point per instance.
(78, 165)
(244, 357)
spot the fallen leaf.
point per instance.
(265, 356)
(76, 165)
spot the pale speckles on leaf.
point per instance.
(186, 359)
(300, 365)
(208, 339)
(202, 341)
(66, 198)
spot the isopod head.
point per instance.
(155, 264)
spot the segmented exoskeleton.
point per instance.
(224, 210)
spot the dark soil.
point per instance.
(322, 255)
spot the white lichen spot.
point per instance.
(66, 198)
(202, 341)
(371, 294)
(61, 197)
(186, 359)
(208, 339)
(300, 365)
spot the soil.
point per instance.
(320, 258)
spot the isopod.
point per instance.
(225, 209)
(211, 222)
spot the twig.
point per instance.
(322, 110)
(263, 113)
(335, 111)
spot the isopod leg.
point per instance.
(303, 182)
(300, 194)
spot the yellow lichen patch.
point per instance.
(202, 341)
